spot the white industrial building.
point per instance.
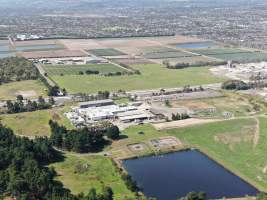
(93, 111)
(103, 112)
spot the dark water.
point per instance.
(196, 45)
(38, 47)
(174, 175)
(6, 54)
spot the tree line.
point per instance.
(82, 140)
(195, 64)
(177, 117)
(21, 106)
(241, 85)
(24, 175)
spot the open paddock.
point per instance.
(157, 49)
(234, 54)
(53, 54)
(80, 44)
(35, 124)
(189, 60)
(30, 89)
(125, 42)
(120, 43)
(133, 61)
(196, 45)
(106, 52)
(182, 123)
(167, 54)
(243, 57)
(215, 51)
(152, 76)
(176, 39)
(59, 70)
(238, 105)
(36, 42)
(80, 173)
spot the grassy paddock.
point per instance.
(79, 173)
(75, 69)
(152, 76)
(231, 143)
(34, 123)
(10, 90)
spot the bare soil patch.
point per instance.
(183, 123)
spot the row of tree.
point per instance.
(87, 97)
(80, 140)
(23, 174)
(195, 64)
(241, 85)
(235, 85)
(176, 117)
(28, 106)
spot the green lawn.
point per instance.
(57, 70)
(79, 173)
(34, 123)
(10, 90)
(152, 76)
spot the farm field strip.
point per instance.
(167, 54)
(215, 51)
(235, 54)
(106, 52)
(243, 57)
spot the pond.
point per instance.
(170, 176)
(38, 47)
(7, 54)
(4, 48)
(196, 45)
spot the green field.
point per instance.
(99, 172)
(243, 57)
(191, 60)
(10, 91)
(215, 51)
(167, 54)
(106, 52)
(231, 143)
(234, 54)
(152, 76)
(58, 70)
(34, 123)
(156, 49)
(236, 104)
